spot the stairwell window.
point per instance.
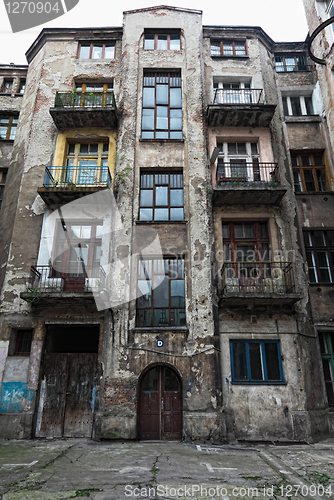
(162, 106)
(256, 362)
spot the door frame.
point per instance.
(140, 379)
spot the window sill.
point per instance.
(321, 284)
(221, 56)
(161, 140)
(302, 119)
(159, 329)
(149, 222)
(258, 383)
(312, 193)
(6, 140)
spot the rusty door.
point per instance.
(160, 405)
(67, 392)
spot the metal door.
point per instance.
(66, 402)
(160, 405)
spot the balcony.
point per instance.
(258, 283)
(77, 109)
(47, 286)
(64, 184)
(247, 183)
(239, 108)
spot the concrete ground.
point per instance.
(44, 469)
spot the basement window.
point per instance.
(256, 362)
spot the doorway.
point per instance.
(68, 382)
(160, 405)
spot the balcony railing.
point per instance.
(65, 177)
(83, 279)
(239, 96)
(236, 174)
(85, 100)
(258, 277)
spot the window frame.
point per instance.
(156, 34)
(16, 341)
(312, 250)
(230, 243)
(10, 125)
(326, 341)
(227, 41)
(146, 273)
(174, 82)
(85, 89)
(264, 370)
(296, 66)
(299, 169)
(305, 103)
(175, 183)
(91, 48)
(3, 178)
(7, 85)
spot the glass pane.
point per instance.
(162, 42)
(319, 239)
(263, 230)
(279, 64)
(175, 135)
(145, 214)
(171, 382)
(272, 361)
(309, 105)
(97, 52)
(228, 49)
(176, 119)
(84, 51)
(177, 293)
(295, 105)
(147, 135)
(162, 94)
(176, 214)
(162, 135)
(85, 232)
(150, 381)
(160, 287)
(239, 361)
(109, 52)
(285, 106)
(176, 197)
(175, 42)
(149, 42)
(255, 360)
(148, 120)
(239, 49)
(146, 198)
(148, 97)
(290, 63)
(162, 117)
(249, 230)
(160, 317)
(309, 180)
(330, 238)
(161, 214)
(161, 195)
(318, 159)
(297, 181)
(175, 97)
(144, 293)
(322, 181)
(306, 160)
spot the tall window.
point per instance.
(161, 196)
(162, 41)
(22, 85)
(85, 161)
(257, 362)
(228, 48)
(3, 176)
(89, 94)
(309, 172)
(245, 241)
(290, 63)
(162, 106)
(161, 293)
(232, 92)
(238, 161)
(319, 247)
(97, 50)
(77, 249)
(327, 355)
(298, 105)
(8, 126)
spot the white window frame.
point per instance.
(244, 86)
(250, 158)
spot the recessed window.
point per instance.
(319, 248)
(327, 355)
(162, 41)
(256, 362)
(93, 94)
(309, 172)
(7, 85)
(246, 241)
(87, 163)
(238, 162)
(161, 293)
(162, 106)
(3, 176)
(22, 85)
(298, 105)
(228, 48)
(97, 50)
(290, 63)
(161, 197)
(21, 343)
(8, 126)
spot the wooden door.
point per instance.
(66, 396)
(160, 405)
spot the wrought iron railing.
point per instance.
(236, 174)
(258, 277)
(239, 96)
(85, 100)
(65, 177)
(80, 278)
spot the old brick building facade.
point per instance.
(162, 271)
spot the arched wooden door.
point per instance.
(160, 405)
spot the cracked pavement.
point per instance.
(44, 469)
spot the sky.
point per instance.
(282, 20)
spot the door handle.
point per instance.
(162, 404)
